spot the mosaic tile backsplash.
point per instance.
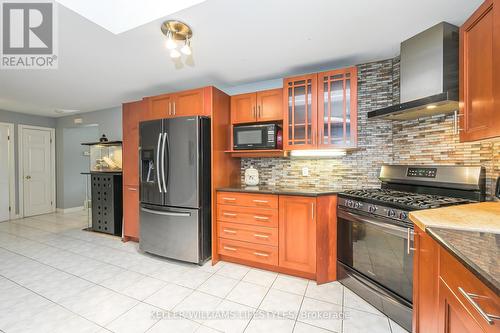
(423, 141)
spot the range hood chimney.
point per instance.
(428, 76)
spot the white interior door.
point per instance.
(4, 173)
(37, 171)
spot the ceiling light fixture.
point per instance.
(176, 33)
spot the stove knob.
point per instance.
(349, 203)
(372, 209)
(357, 204)
(391, 213)
(403, 216)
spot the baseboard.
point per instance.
(69, 210)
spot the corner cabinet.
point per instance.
(321, 110)
(480, 73)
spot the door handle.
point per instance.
(158, 162)
(157, 212)
(489, 318)
(408, 240)
(174, 108)
(260, 201)
(169, 108)
(28, 177)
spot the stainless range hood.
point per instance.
(429, 75)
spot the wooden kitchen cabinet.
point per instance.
(297, 233)
(262, 106)
(480, 73)
(337, 108)
(132, 115)
(300, 116)
(440, 282)
(425, 283)
(131, 212)
(453, 316)
(180, 104)
(290, 234)
(189, 103)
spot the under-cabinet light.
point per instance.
(318, 153)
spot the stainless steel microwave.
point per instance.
(262, 136)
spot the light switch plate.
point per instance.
(305, 171)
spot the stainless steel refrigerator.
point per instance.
(175, 188)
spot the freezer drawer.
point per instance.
(171, 232)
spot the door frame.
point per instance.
(20, 132)
(12, 171)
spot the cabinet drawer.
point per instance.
(248, 233)
(247, 199)
(248, 215)
(459, 280)
(248, 251)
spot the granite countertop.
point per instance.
(302, 191)
(481, 217)
(478, 251)
(471, 233)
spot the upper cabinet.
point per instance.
(185, 103)
(321, 110)
(300, 116)
(337, 108)
(262, 106)
(480, 73)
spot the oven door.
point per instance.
(378, 249)
(253, 137)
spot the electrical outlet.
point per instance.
(305, 171)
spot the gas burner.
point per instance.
(406, 200)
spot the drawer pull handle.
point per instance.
(260, 201)
(260, 236)
(260, 254)
(229, 248)
(229, 231)
(489, 318)
(229, 199)
(261, 217)
(229, 214)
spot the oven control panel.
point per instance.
(422, 172)
(382, 211)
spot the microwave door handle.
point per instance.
(364, 219)
(158, 165)
(163, 162)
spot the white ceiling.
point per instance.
(235, 42)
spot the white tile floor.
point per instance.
(54, 277)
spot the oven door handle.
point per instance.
(363, 219)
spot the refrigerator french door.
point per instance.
(175, 188)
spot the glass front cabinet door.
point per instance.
(300, 112)
(321, 110)
(337, 108)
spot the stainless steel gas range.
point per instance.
(375, 235)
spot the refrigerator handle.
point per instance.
(163, 162)
(158, 163)
(156, 212)
(167, 146)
